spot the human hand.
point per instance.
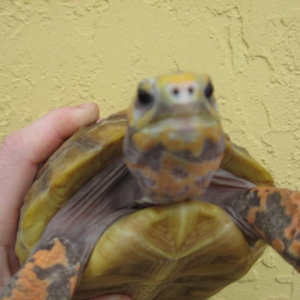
(20, 155)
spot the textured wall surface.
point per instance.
(55, 53)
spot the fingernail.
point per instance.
(87, 105)
(87, 113)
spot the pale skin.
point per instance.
(20, 155)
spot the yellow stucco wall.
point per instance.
(55, 53)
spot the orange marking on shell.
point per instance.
(251, 215)
(291, 201)
(262, 194)
(28, 286)
(48, 258)
(295, 248)
(291, 231)
(278, 245)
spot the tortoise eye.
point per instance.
(208, 90)
(144, 98)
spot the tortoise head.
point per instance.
(174, 140)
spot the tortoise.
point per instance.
(155, 202)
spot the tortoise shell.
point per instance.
(187, 250)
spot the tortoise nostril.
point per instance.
(175, 91)
(191, 90)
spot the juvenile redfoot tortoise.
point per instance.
(177, 212)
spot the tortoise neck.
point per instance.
(174, 166)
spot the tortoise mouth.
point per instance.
(182, 122)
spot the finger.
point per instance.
(24, 150)
(41, 138)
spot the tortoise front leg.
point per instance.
(274, 215)
(51, 272)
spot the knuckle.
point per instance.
(11, 147)
(62, 120)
